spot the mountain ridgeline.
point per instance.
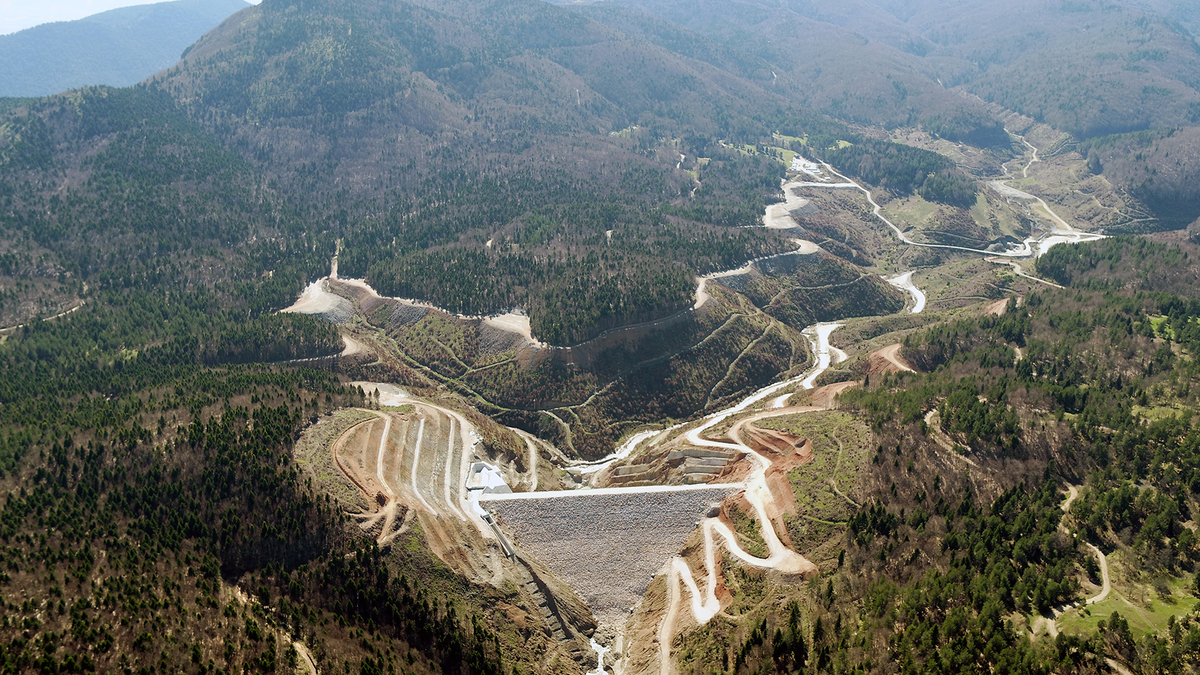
(591, 166)
(480, 161)
(119, 48)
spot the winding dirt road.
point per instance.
(1106, 585)
(306, 660)
(905, 283)
(705, 605)
(1063, 234)
(803, 247)
(891, 354)
(1019, 271)
(60, 315)
(1072, 494)
(944, 441)
(1051, 623)
(432, 479)
(533, 460)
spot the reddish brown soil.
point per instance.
(996, 308)
(822, 397)
(887, 360)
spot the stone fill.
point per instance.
(607, 546)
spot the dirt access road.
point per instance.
(416, 460)
(905, 283)
(889, 360)
(1051, 623)
(768, 505)
(1031, 247)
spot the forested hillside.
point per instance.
(143, 469)
(961, 547)
(480, 160)
(1093, 70)
(119, 48)
(142, 432)
(587, 165)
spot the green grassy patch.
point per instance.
(1155, 413)
(912, 210)
(1161, 328)
(782, 154)
(841, 445)
(1151, 617)
(995, 215)
(1147, 607)
(792, 139)
(749, 532)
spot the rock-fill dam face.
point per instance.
(606, 544)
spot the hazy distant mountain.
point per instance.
(1185, 12)
(1088, 68)
(117, 48)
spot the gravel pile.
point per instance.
(340, 311)
(495, 340)
(606, 547)
(738, 282)
(786, 264)
(406, 314)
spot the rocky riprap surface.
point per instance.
(607, 547)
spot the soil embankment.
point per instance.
(779, 216)
(409, 465)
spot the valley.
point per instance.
(625, 338)
(638, 545)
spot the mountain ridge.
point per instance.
(119, 47)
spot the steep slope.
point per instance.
(403, 129)
(403, 71)
(528, 126)
(1087, 68)
(1047, 450)
(1182, 11)
(118, 48)
(1081, 67)
(846, 60)
(584, 164)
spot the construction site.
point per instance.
(581, 552)
(600, 564)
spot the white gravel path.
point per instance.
(779, 216)
(905, 283)
(826, 353)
